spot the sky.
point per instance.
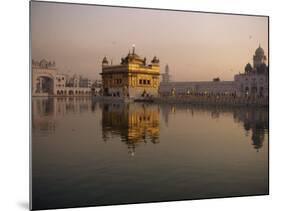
(196, 46)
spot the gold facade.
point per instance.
(131, 78)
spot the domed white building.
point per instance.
(259, 58)
(254, 80)
(48, 81)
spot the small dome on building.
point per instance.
(259, 51)
(155, 60)
(132, 57)
(44, 63)
(105, 61)
(248, 68)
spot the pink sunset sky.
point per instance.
(196, 46)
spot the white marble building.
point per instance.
(48, 81)
(253, 82)
(198, 87)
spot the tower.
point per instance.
(166, 76)
(259, 58)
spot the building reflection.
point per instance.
(134, 123)
(42, 115)
(47, 111)
(138, 123)
(253, 119)
(255, 122)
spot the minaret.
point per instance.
(259, 57)
(104, 61)
(166, 75)
(167, 69)
(133, 48)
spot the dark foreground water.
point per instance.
(89, 153)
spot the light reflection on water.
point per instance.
(91, 153)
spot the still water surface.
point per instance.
(91, 153)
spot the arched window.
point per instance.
(247, 91)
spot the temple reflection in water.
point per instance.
(254, 119)
(135, 123)
(46, 112)
(138, 123)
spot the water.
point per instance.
(89, 153)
